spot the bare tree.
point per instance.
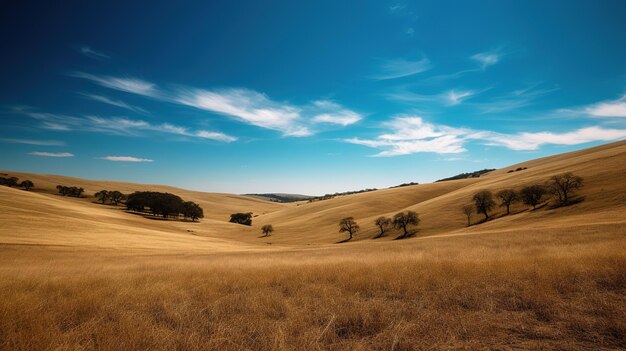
(562, 186)
(483, 201)
(468, 210)
(507, 198)
(348, 225)
(532, 195)
(383, 224)
(404, 220)
(267, 229)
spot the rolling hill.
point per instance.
(75, 274)
(28, 215)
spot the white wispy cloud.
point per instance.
(118, 103)
(245, 105)
(488, 58)
(411, 134)
(613, 108)
(91, 53)
(398, 68)
(532, 141)
(51, 154)
(450, 97)
(125, 159)
(248, 106)
(32, 142)
(120, 126)
(129, 85)
(513, 100)
(455, 97)
(326, 111)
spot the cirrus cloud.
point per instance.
(125, 159)
(51, 154)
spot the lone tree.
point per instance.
(267, 229)
(27, 185)
(507, 198)
(483, 201)
(102, 195)
(115, 197)
(532, 195)
(562, 187)
(241, 218)
(348, 225)
(404, 220)
(468, 210)
(383, 224)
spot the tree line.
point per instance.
(402, 221)
(70, 191)
(15, 181)
(561, 188)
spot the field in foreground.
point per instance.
(531, 291)
(79, 275)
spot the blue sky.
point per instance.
(305, 97)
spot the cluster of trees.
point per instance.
(70, 191)
(14, 181)
(404, 184)
(403, 221)
(560, 187)
(163, 204)
(474, 174)
(241, 218)
(330, 196)
(113, 196)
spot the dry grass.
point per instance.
(532, 291)
(77, 275)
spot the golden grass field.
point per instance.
(79, 275)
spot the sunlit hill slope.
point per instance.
(42, 217)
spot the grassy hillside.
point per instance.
(79, 275)
(438, 205)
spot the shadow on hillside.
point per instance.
(157, 218)
(343, 241)
(570, 202)
(410, 234)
